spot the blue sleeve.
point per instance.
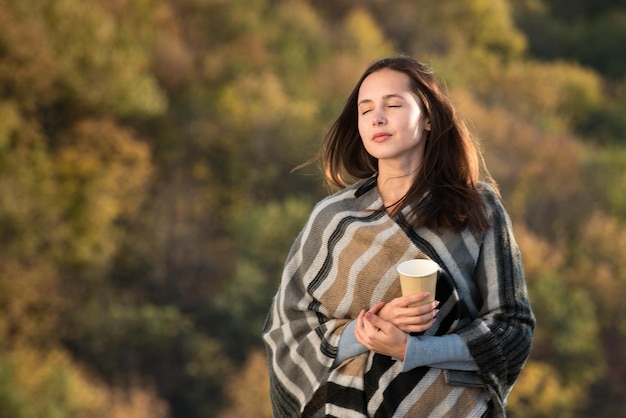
(348, 345)
(445, 352)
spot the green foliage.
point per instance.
(586, 31)
(76, 54)
(605, 123)
(481, 24)
(11, 403)
(603, 166)
(556, 97)
(47, 384)
(122, 341)
(263, 236)
(100, 65)
(265, 233)
(101, 172)
(424, 29)
(562, 324)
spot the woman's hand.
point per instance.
(410, 319)
(379, 335)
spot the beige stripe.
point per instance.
(360, 242)
(439, 391)
(379, 266)
(368, 276)
(430, 398)
(353, 366)
(467, 402)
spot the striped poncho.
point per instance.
(345, 260)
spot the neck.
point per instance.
(392, 188)
(395, 178)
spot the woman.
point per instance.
(341, 339)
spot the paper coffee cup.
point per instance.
(418, 276)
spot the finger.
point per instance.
(375, 321)
(419, 328)
(359, 319)
(410, 299)
(360, 328)
(368, 325)
(423, 321)
(426, 317)
(376, 308)
(423, 309)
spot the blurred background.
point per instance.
(146, 203)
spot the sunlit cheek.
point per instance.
(417, 125)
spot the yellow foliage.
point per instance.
(480, 25)
(30, 302)
(539, 255)
(173, 59)
(530, 165)
(49, 381)
(98, 63)
(260, 100)
(345, 68)
(362, 42)
(300, 17)
(539, 393)
(71, 47)
(599, 263)
(248, 390)
(10, 120)
(103, 171)
(364, 35)
(553, 96)
(28, 64)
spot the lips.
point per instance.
(380, 137)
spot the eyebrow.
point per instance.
(385, 97)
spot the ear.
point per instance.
(427, 125)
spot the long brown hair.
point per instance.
(452, 164)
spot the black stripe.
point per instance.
(515, 347)
(283, 404)
(445, 318)
(346, 397)
(326, 348)
(335, 237)
(462, 311)
(380, 364)
(366, 187)
(399, 388)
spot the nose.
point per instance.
(378, 119)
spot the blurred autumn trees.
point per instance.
(147, 205)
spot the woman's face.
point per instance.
(391, 120)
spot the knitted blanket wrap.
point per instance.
(345, 260)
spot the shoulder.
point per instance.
(490, 195)
(352, 197)
(329, 212)
(350, 201)
(496, 210)
(488, 190)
